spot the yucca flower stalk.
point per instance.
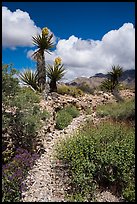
(58, 60)
(45, 31)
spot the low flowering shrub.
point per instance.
(100, 156)
(14, 173)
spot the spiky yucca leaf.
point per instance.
(43, 43)
(116, 70)
(30, 78)
(115, 74)
(112, 82)
(107, 85)
(56, 72)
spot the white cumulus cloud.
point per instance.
(18, 29)
(88, 57)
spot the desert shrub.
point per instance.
(10, 84)
(63, 119)
(70, 90)
(86, 88)
(14, 173)
(102, 156)
(65, 116)
(10, 87)
(24, 124)
(107, 86)
(26, 95)
(21, 115)
(44, 115)
(118, 111)
(21, 120)
(63, 89)
(72, 110)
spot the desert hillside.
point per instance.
(127, 78)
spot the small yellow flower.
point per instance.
(45, 31)
(58, 60)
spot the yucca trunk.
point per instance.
(41, 72)
(53, 86)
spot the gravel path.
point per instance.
(43, 184)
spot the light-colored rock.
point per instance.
(106, 196)
(106, 96)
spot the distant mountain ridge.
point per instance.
(127, 78)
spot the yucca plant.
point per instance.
(112, 82)
(43, 43)
(30, 78)
(115, 74)
(55, 73)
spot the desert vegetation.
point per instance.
(21, 119)
(124, 111)
(97, 156)
(112, 82)
(55, 73)
(102, 156)
(65, 116)
(69, 90)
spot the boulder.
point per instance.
(106, 96)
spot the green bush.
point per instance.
(65, 116)
(118, 111)
(10, 84)
(26, 98)
(85, 87)
(70, 90)
(72, 110)
(63, 89)
(63, 119)
(24, 125)
(106, 85)
(102, 156)
(21, 117)
(44, 115)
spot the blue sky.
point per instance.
(79, 29)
